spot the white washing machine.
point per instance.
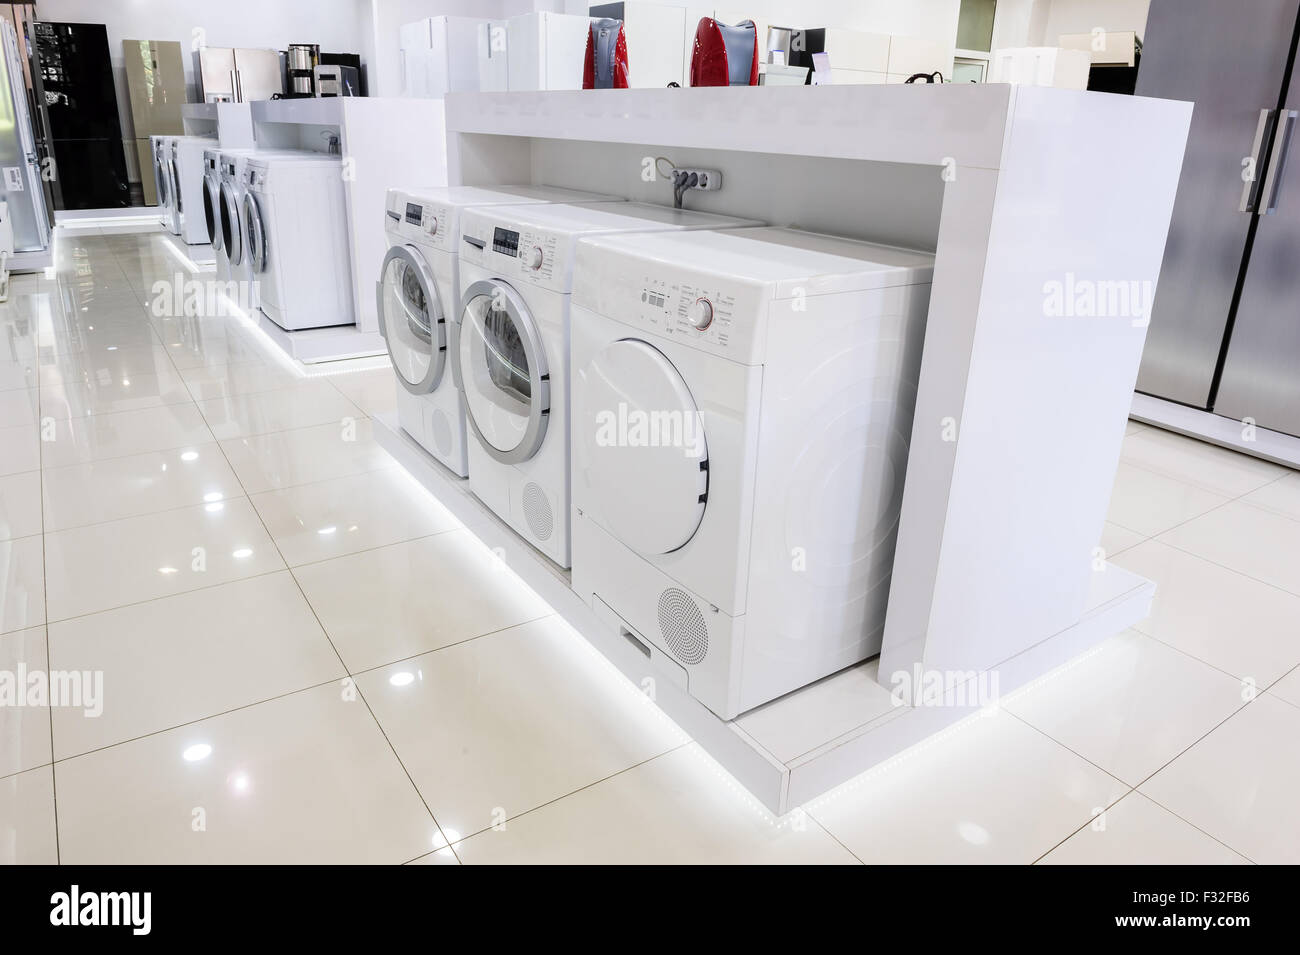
(188, 153)
(418, 292)
(295, 238)
(212, 208)
(742, 410)
(512, 350)
(229, 246)
(164, 170)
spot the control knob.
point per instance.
(700, 314)
(534, 259)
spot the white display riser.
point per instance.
(796, 748)
(1272, 446)
(312, 345)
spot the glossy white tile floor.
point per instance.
(305, 658)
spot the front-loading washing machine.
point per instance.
(742, 410)
(164, 170)
(418, 292)
(212, 208)
(229, 246)
(188, 171)
(512, 350)
(295, 233)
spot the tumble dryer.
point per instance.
(742, 410)
(512, 350)
(418, 291)
(295, 238)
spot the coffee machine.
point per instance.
(301, 60)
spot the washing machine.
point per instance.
(212, 209)
(188, 168)
(742, 410)
(295, 238)
(226, 241)
(418, 291)
(164, 170)
(512, 350)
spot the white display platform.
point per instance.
(1226, 432)
(1021, 406)
(312, 345)
(795, 748)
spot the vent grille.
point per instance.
(441, 429)
(683, 626)
(537, 512)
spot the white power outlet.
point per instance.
(709, 180)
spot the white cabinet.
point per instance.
(547, 51)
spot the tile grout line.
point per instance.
(330, 640)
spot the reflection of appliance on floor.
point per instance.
(295, 235)
(155, 82)
(512, 355)
(742, 408)
(443, 55)
(76, 77)
(419, 295)
(546, 51)
(26, 217)
(725, 55)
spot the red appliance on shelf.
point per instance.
(723, 55)
(605, 67)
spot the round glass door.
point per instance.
(210, 200)
(176, 185)
(254, 234)
(230, 224)
(411, 320)
(639, 439)
(503, 372)
(164, 188)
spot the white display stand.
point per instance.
(384, 141)
(1021, 412)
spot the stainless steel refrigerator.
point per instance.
(238, 75)
(19, 164)
(1225, 325)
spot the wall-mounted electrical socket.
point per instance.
(707, 180)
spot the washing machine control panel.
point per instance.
(696, 312)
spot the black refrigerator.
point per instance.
(74, 79)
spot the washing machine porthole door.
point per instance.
(176, 186)
(255, 233)
(503, 372)
(411, 319)
(210, 201)
(640, 444)
(230, 224)
(164, 187)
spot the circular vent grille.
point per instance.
(682, 626)
(537, 512)
(441, 431)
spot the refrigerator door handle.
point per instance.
(1250, 193)
(1277, 162)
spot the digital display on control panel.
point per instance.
(413, 213)
(657, 299)
(505, 241)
